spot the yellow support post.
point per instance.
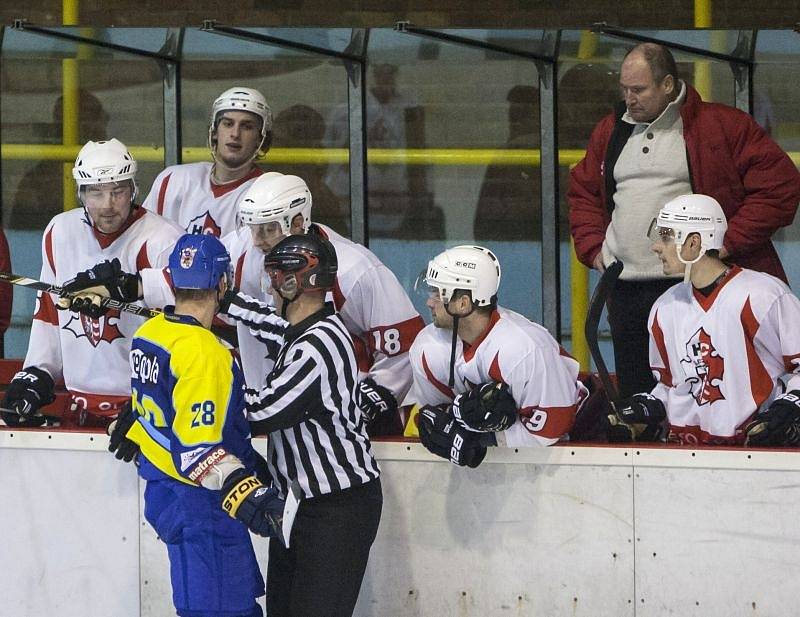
(579, 284)
(70, 107)
(702, 68)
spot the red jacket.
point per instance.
(730, 158)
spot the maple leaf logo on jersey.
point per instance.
(704, 367)
(204, 224)
(96, 330)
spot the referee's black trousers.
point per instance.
(320, 574)
(628, 309)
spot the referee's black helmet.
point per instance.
(309, 259)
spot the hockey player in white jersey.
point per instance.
(485, 375)
(724, 345)
(90, 352)
(373, 305)
(202, 197)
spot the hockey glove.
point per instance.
(638, 418)
(374, 400)
(245, 498)
(29, 390)
(488, 407)
(778, 424)
(443, 436)
(120, 285)
(123, 448)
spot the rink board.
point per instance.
(591, 531)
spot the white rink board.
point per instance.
(534, 532)
(70, 543)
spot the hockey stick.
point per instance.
(127, 307)
(601, 293)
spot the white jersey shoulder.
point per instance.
(186, 195)
(430, 366)
(97, 349)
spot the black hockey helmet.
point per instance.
(304, 262)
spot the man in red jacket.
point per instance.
(6, 294)
(661, 142)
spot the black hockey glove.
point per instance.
(123, 448)
(444, 437)
(778, 425)
(29, 391)
(121, 286)
(374, 400)
(638, 418)
(488, 408)
(245, 498)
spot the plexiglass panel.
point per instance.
(468, 108)
(306, 92)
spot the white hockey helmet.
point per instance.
(240, 98)
(692, 214)
(274, 197)
(469, 267)
(104, 162)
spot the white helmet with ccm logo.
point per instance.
(469, 267)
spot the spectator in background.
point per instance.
(300, 126)
(509, 206)
(400, 204)
(6, 292)
(663, 141)
(40, 194)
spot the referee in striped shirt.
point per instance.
(317, 434)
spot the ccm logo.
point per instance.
(466, 264)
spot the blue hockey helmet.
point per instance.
(199, 261)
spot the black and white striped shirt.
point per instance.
(317, 433)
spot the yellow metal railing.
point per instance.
(375, 156)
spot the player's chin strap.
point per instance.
(452, 380)
(687, 273)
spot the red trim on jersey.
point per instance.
(363, 356)
(99, 404)
(469, 350)
(664, 374)
(760, 382)
(338, 296)
(448, 392)
(168, 277)
(237, 276)
(559, 420)
(691, 435)
(791, 363)
(162, 194)
(494, 369)
(48, 249)
(705, 302)
(218, 190)
(105, 240)
(395, 338)
(47, 311)
(142, 261)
